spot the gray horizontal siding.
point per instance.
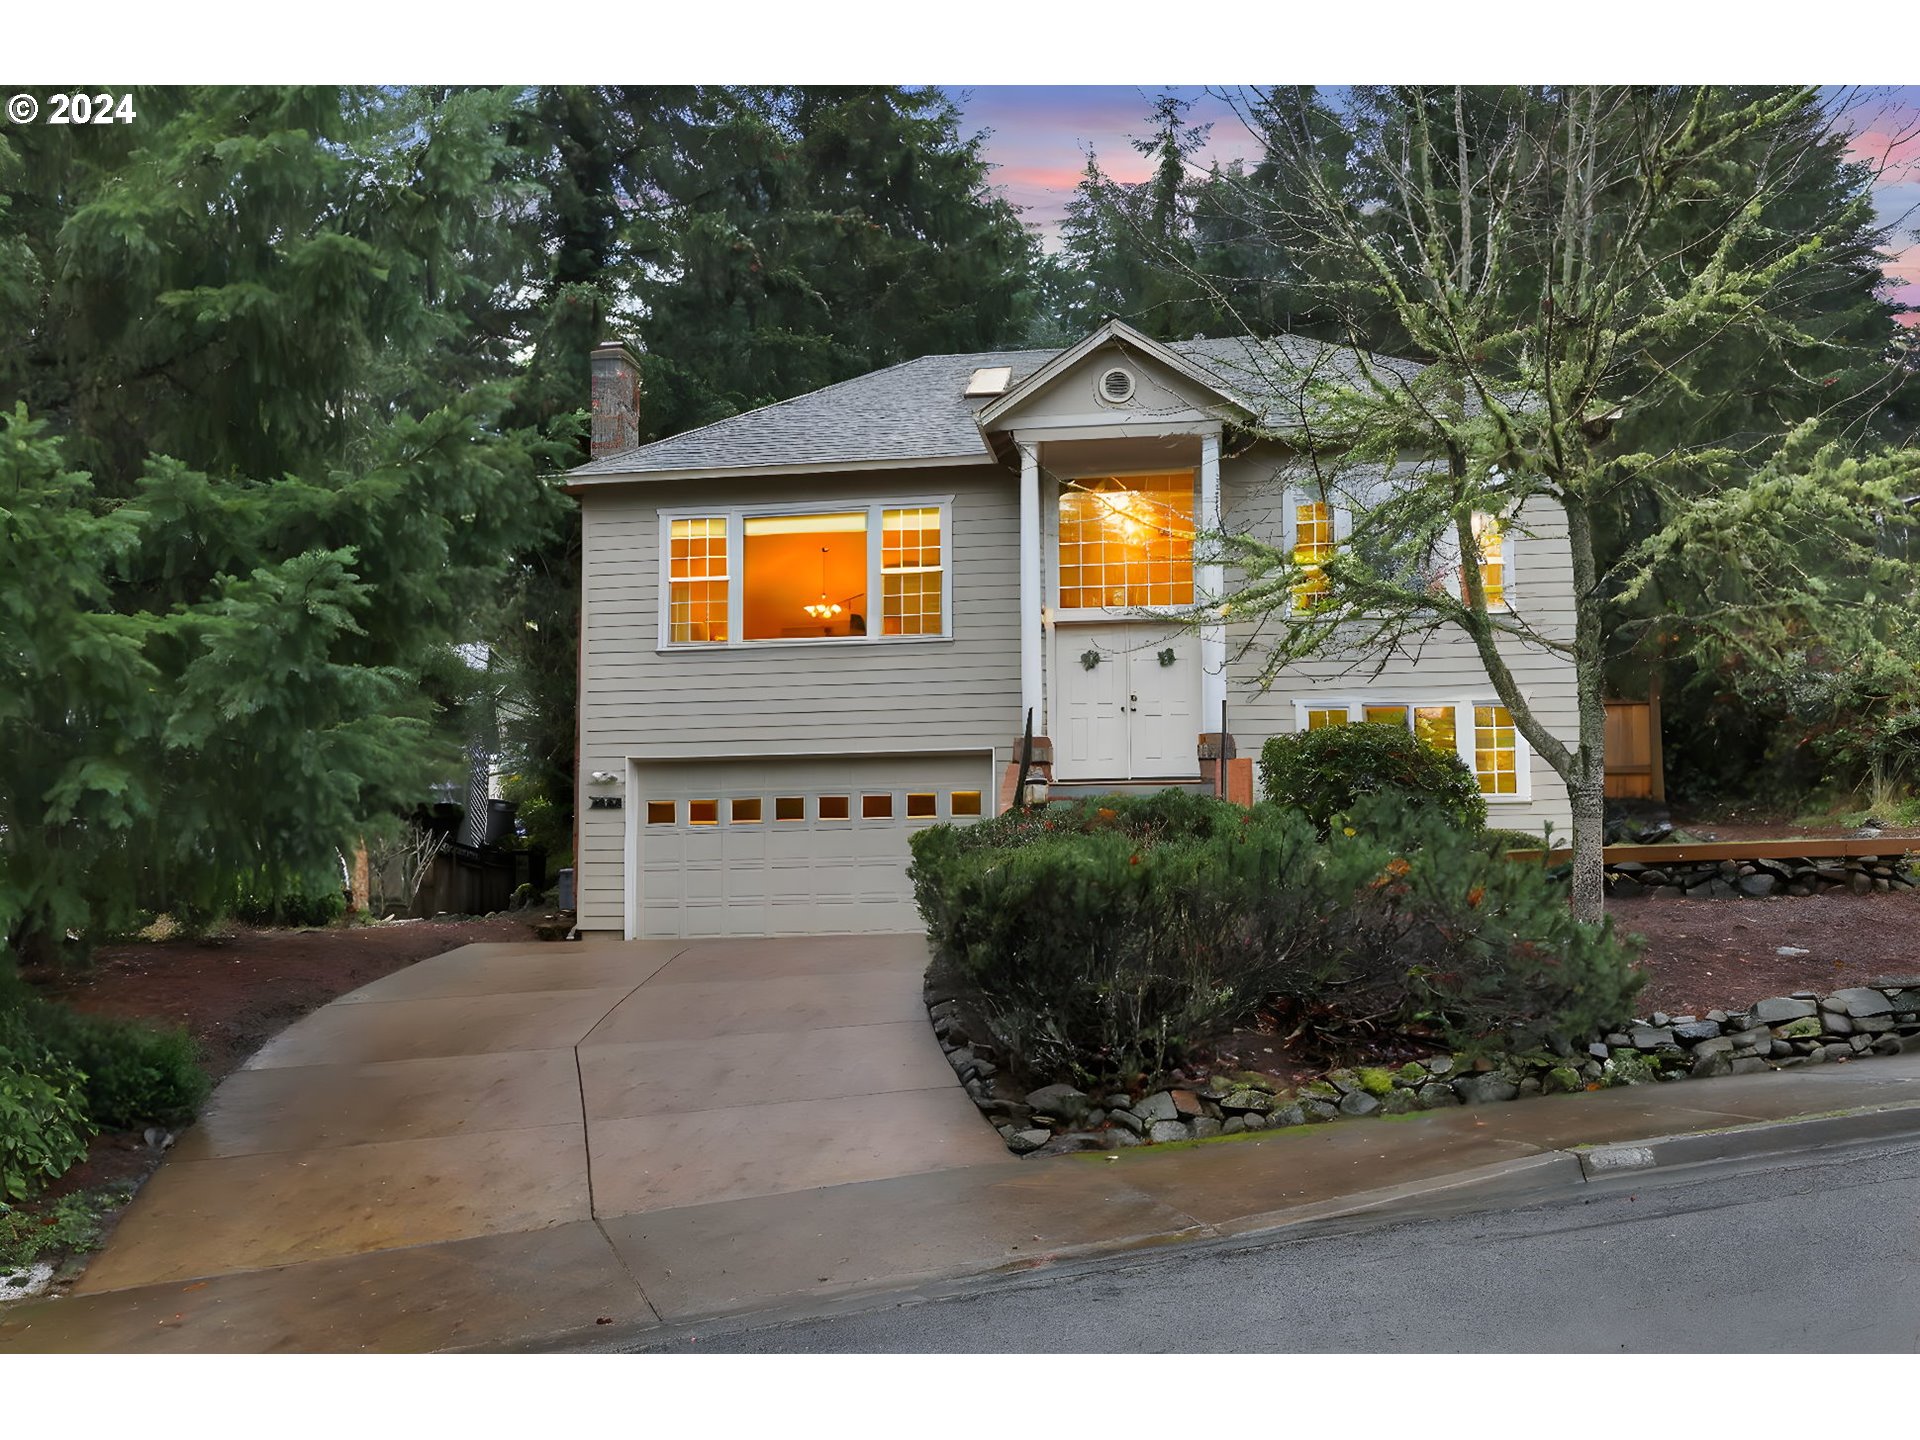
(1445, 666)
(640, 701)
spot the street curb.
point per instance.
(1742, 1142)
(1552, 1174)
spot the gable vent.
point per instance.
(1116, 385)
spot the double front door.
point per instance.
(1125, 702)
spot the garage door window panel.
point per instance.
(834, 807)
(789, 807)
(876, 807)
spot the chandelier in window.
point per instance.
(825, 609)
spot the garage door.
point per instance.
(790, 847)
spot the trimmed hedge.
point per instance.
(1106, 940)
(1325, 773)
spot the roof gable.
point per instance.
(1177, 385)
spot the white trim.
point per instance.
(1108, 427)
(1209, 586)
(1124, 335)
(736, 516)
(1354, 702)
(1032, 600)
(577, 481)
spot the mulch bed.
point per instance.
(1724, 954)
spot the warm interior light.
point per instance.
(824, 609)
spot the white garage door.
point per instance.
(790, 847)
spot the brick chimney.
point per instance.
(616, 398)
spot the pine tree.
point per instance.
(253, 500)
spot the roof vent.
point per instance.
(989, 380)
(1116, 385)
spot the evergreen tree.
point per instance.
(252, 498)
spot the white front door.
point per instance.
(1127, 716)
(1163, 697)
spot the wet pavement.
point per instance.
(511, 1145)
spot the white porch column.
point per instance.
(1210, 581)
(1031, 650)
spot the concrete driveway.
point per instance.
(516, 1090)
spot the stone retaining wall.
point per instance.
(1732, 879)
(1779, 1033)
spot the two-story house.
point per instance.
(811, 629)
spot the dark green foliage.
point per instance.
(264, 483)
(136, 1074)
(302, 902)
(93, 1072)
(43, 1113)
(1106, 940)
(1501, 841)
(1324, 773)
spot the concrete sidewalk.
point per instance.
(553, 1267)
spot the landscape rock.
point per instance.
(1358, 1102)
(1316, 1110)
(1024, 1142)
(1710, 1066)
(1284, 1115)
(1128, 1121)
(1205, 1128)
(1242, 1101)
(1186, 1103)
(1780, 1009)
(1649, 1037)
(1062, 1102)
(1234, 1125)
(1696, 1030)
(1156, 1107)
(1163, 1131)
(1860, 1003)
(1749, 1065)
(1437, 1096)
(1485, 1089)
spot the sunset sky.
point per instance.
(1039, 137)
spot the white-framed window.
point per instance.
(851, 573)
(1314, 526)
(1125, 542)
(1479, 731)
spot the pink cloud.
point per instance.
(1890, 146)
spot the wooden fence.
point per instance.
(1634, 762)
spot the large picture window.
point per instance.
(1127, 542)
(805, 576)
(851, 574)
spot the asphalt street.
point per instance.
(1819, 1252)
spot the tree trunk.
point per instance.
(1589, 798)
(1587, 785)
(361, 883)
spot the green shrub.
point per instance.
(1106, 939)
(136, 1074)
(316, 900)
(1501, 841)
(43, 1117)
(1326, 773)
(70, 1223)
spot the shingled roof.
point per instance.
(918, 412)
